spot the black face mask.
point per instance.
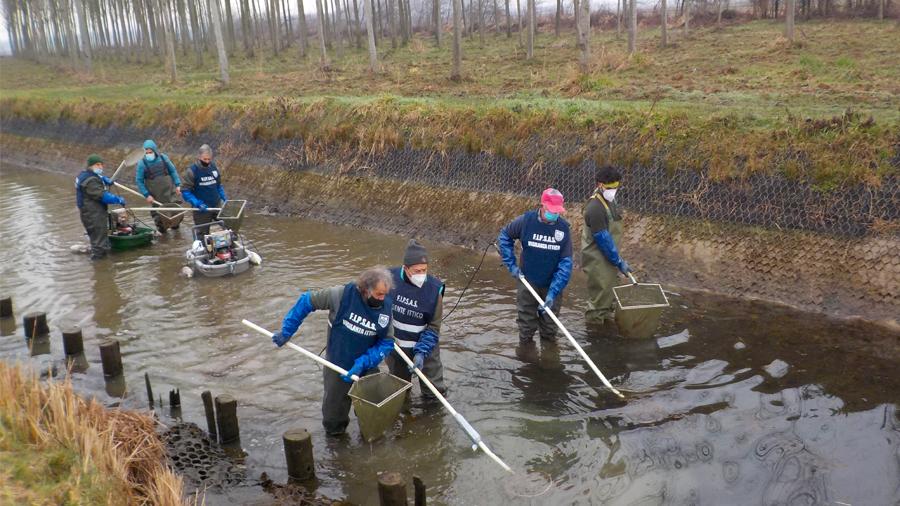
(205, 164)
(374, 303)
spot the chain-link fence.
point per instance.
(766, 200)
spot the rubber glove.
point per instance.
(606, 244)
(203, 207)
(280, 339)
(419, 361)
(506, 246)
(624, 267)
(107, 181)
(428, 339)
(357, 370)
(548, 303)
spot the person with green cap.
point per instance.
(600, 237)
(418, 299)
(157, 180)
(92, 199)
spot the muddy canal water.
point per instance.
(736, 403)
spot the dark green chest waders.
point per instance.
(602, 276)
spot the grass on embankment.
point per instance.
(57, 448)
(734, 101)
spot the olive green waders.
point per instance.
(602, 276)
(162, 188)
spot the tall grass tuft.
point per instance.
(91, 454)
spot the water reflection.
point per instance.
(803, 410)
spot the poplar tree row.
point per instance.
(146, 31)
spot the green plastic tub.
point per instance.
(142, 236)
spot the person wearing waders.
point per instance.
(92, 198)
(546, 263)
(417, 303)
(601, 234)
(157, 180)
(360, 335)
(202, 188)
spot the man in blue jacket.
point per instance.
(600, 238)
(202, 187)
(157, 180)
(92, 199)
(546, 263)
(360, 336)
(417, 301)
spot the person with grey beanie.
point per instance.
(417, 307)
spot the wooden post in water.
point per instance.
(226, 419)
(391, 489)
(210, 414)
(111, 357)
(149, 391)
(73, 341)
(6, 308)
(298, 453)
(35, 324)
(420, 491)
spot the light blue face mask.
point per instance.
(551, 217)
(150, 157)
(98, 171)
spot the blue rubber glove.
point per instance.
(418, 361)
(428, 339)
(280, 339)
(203, 207)
(297, 314)
(548, 303)
(506, 245)
(606, 244)
(357, 370)
(107, 181)
(560, 277)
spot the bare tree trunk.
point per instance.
(632, 26)
(232, 41)
(619, 18)
(663, 24)
(247, 27)
(719, 13)
(370, 35)
(529, 49)
(401, 11)
(456, 73)
(216, 17)
(392, 23)
(170, 42)
(789, 7)
(85, 36)
(182, 19)
(584, 35)
(881, 10)
(195, 33)
(304, 35)
(320, 17)
(436, 20)
(356, 30)
(519, 16)
(558, 16)
(508, 22)
(687, 17)
(481, 22)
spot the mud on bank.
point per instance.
(767, 238)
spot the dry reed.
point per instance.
(118, 451)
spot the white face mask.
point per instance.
(98, 171)
(150, 157)
(418, 279)
(610, 194)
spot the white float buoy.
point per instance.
(187, 272)
(255, 259)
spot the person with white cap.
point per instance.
(546, 263)
(418, 299)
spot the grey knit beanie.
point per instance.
(415, 253)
